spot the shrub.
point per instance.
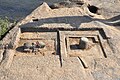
(4, 26)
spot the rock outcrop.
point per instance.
(63, 28)
(107, 8)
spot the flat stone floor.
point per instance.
(44, 68)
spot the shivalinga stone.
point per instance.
(42, 44)
(83, 43)
(27, 45)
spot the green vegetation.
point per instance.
(4, 26)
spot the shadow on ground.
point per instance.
(20, 49)
(74, 21)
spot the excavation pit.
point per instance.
(62, 42)
(48, 38)
(75, 49)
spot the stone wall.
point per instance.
(12, 37)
